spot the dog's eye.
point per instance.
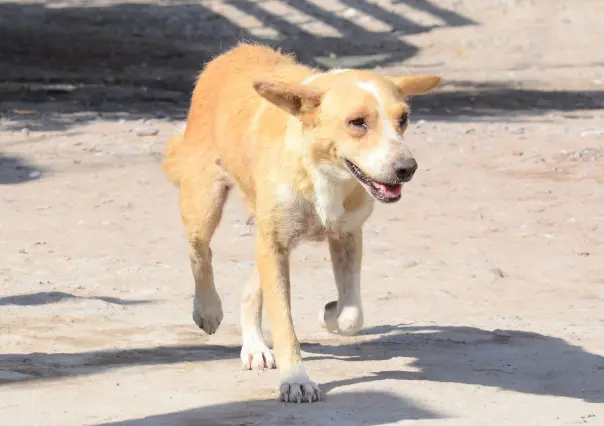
(402, 122)
(359, 123)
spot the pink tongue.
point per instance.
(390, 191)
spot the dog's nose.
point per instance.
(405, 169)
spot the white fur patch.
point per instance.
(255, 354)
(347, 316)
(329, 198)
(332, 186)
(390, 137)
(354, 219)
(285, 194)
(387, 125)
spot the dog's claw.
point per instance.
(257, 357)
(294, 392)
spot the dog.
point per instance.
(310, 151)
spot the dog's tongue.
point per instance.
(389, 191)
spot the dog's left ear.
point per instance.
(296, 99)
(416, 84)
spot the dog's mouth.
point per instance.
(384, 192)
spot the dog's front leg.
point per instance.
(272, 259)
(346, 315)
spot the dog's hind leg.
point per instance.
(203, 192)
(255, 354)
(346, 315)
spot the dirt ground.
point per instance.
(483, 288)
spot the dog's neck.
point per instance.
(330, 191)
(331, 183)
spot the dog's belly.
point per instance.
(314, 230)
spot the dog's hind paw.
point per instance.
(257, 356)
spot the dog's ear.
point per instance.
(416, 84)
(296, 99)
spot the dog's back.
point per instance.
(224, 107)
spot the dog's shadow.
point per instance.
(368, 408)
(511, 360)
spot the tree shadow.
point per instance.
(141, 59)
(47, 366)
(498, 99)
(367, 408)
(510, 360)
(164, 44)
(15, 170)
(449, 17)
(56, 107)
(48, 297)
(132, 61)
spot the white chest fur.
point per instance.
(323, 214)
(330, 193)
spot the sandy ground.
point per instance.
(483, 288)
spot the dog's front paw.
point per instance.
(299, 389)
(346, 322)
(207, 312)
(257, 356)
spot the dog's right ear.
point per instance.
(296, 99)
(416, 84)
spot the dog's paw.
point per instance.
(208, 322)
(257, 356)
(296, 390)
(348, 322)
(207, 312)
(327, 317)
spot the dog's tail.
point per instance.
(172, 159)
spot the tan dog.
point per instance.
(310, 151)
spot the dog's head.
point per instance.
(355, 121)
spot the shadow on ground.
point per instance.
(138, 60)
(349, 408)
(48, 297)
(40, 366)
(14, 170)
(452, 101)
(164, 44)
(489, 101)
(509, 360)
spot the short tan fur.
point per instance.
(310, 151)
